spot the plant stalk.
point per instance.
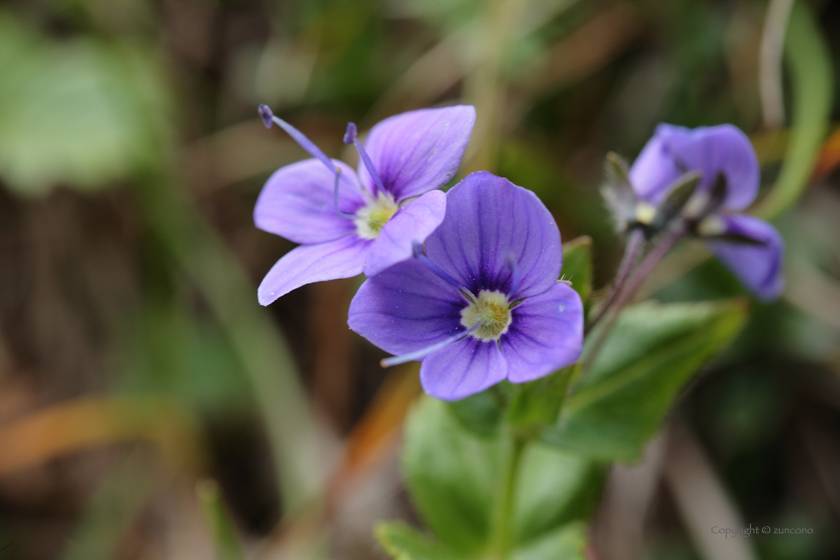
(633, 283)
(631, 254)
(512, 447)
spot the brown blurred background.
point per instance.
(135, 361)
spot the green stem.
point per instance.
(512, 447)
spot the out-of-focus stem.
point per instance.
(809, 60)
(647, 265)
(631, 253)
(770, 62)
(700, 496)
(502, 538)
(633, 283)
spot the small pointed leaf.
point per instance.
(618, 191)
(678, 195)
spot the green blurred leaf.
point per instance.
(568, 543)
(480, 413)
(807, 54)
(78, 112)
(218, 521)
(577, 266)
(553, 489)
(168, 349)
(406, 543)
(650, 355)
(452, 475)
(537, 403)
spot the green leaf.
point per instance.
(452, 475)
(650, 355)
(407, 543)
(808, 58)
(553, 489)
(480, 413)
(577, 266)
(568, 543)
(79, 112)
(537, 403)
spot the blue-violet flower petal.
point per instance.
(418, 151)
(675, 150)
(758, 266)
(408, 307)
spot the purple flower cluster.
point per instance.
(467, 281)
(750, 247)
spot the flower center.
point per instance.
(372, 218)
(492, 310)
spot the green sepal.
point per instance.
(678, 195)
(618, 191)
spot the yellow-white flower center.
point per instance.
(372, 218)
(491, 311)
(712, 225)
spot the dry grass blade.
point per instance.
(702, 500)
(97, 421)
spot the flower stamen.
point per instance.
(268, 117)
(335, 197)
(491, 313)
(370, 219)
(350, 137)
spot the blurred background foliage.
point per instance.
(136, 365)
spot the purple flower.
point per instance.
(750, 247)
(347, 223)
(483, 303)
